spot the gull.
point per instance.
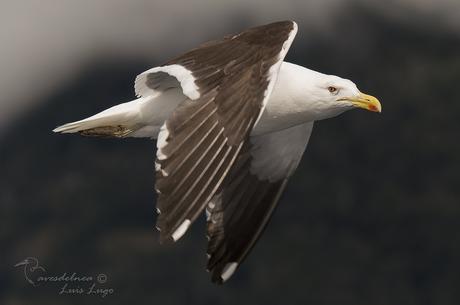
(232, 120)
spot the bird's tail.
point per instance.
(118, 121)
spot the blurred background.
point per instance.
(372, 215)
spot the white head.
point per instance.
(332, 95)
(322, 96)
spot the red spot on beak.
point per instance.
(373, 108)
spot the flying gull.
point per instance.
(232, 120)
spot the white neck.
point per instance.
(292, 101)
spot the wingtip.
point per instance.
(181, 230)
(166, 237)
(220, 277)
(228, 271)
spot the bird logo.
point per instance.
(31, 265)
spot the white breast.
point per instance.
(284, 109)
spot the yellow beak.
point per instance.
(367, 102)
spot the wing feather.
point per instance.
(200, 142)
(241, 210)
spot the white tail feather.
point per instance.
(126, 114)
(142, 117)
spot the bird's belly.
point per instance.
(280, 114)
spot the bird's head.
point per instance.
(342, 94)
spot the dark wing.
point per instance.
(240, 211)
(228, 83)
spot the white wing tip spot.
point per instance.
(228, 271)
(180, 231)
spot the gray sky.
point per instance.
(46, 43)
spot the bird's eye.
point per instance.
(332, 89)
